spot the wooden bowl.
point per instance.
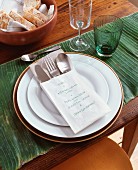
(28, 37)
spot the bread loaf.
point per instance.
(20, 19)
(31, 4)
(33, 19)
(38, 14)
(4, 19)
(1, 11)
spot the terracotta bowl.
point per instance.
(28, 37)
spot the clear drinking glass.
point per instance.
(80, 17)
(107, 33)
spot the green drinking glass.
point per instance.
(107, 33)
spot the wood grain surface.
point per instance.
(63, 31)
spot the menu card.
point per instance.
(79, 105)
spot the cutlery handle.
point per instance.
(50, 50)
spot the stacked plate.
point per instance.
(40, 116)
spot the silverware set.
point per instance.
(55, 68)
(61, 65)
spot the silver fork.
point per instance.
(51, 67)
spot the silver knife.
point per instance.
(41, 74)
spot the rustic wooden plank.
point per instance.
(130, 137)
(135, 2)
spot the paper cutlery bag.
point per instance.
(79, 105)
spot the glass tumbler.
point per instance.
(107, 33)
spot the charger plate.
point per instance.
(64, 134)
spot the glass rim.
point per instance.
(119, 19)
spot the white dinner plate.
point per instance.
(45, 109)
(114, 101)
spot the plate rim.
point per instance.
(62, 139)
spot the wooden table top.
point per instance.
(63, 31)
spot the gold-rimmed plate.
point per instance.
(64, 134)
